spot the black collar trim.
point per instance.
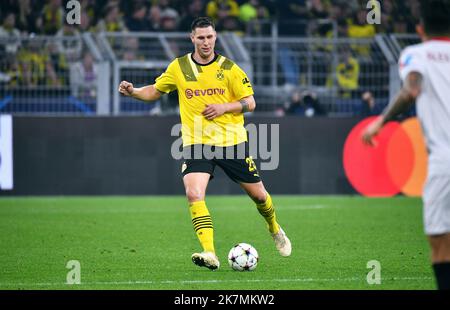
(214, 59)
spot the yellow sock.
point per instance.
(267, 211)
(202, 225)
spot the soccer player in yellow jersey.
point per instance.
(214, 93)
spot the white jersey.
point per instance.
(432, 60)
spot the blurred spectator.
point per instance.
(131, 50)
(26, 17)
(112, 22)
(35, 67)
(251, 10)
(318, 12)
(138, 20)
(194, 10)
(368, 104)
(162, 10)
(248, 11)
(85, 21)
(69, 42)
(57, 65)
(387, 17)
(169, 23)
(52, 17)
(169, 20)
(9, 34)
(412, 15)
(292, 9)
(220, 9)
(347, 74)
(318, 8)
(394, 16)
(90, 9)
(83, 77)
(294, 104)
(155, 17)
(215, 8)
(359, 28)
(339, 14)
(289, 12)
(230, 23)
(12, 74)
(227, 15)
(342, 28)
(304, 104)
(251, 13)
(351, 5)
(289, 65)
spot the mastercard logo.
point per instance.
(397, 164)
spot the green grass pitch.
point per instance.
(146, 243)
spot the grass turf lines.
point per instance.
(146, 243)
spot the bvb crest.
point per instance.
(219, 75)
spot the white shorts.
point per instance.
(436, 205)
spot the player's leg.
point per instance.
(244, 172)
(264, 204)
(195, 185)
(436, 197)
(440, 258)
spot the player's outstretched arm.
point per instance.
(246, 104)
(146, 93)
(404, 99)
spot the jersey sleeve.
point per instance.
(410, 61)
(166, 82)
(239, 83)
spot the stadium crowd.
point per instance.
(47, 17)
(26, 62)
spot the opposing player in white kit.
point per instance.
(425, 71)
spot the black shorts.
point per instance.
(235, 161)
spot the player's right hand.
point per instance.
(371, 131)
(126, 88)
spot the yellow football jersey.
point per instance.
(218, 82)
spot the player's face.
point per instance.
(204, 40)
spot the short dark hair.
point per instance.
(202, 22)
(435, 16)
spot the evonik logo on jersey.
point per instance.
(203, 92)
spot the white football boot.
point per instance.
(282, 242)
(206, 259)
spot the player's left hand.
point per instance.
(213, 110)
(371, 131)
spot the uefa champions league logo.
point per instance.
(74, 15)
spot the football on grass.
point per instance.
(243, 257)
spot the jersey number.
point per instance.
(251, 164)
